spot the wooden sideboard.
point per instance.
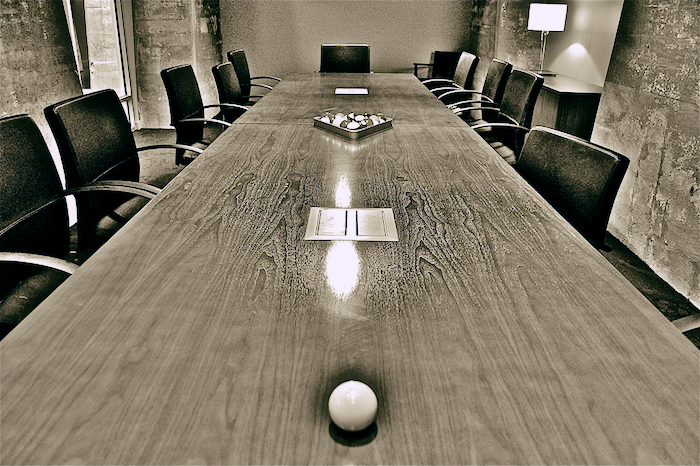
(568, 105)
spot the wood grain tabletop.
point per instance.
(208, 331)
(298, 100)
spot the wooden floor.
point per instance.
(158, 167)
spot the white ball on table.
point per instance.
(352, 406)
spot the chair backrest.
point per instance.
(444, 64)
(28, 180)
(578, 178)
(345, 58)
(183, 93)
(227, 84)
(496, 79)
(185, 101)
(464, 72)
(240, 65)
(95, 141)
(520, 95)
(94, 138)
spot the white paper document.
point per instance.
(351, 91)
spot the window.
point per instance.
(102, 36)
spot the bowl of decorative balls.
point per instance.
(352, 125)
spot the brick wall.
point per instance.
(649, 112)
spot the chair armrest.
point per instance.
(457, 92)
(205, 120)
(416, 65)
(461, 110)
(470, 103)
(499, 125)
(265, 86)
(171, 146)
(687, 323)
(39, 259)
(274, 78)
(436, 82)
(228, 105)
(438, 91)
(129, 187)
(118, 186)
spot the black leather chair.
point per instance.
(97, 146)
(345, 58)
(35, 240)
(229, 89)
(463, 77)
(187, 110)
(240, 64)
(504, 126)
(33, 221)
(442, 65)
(491, 92)
(578, 178)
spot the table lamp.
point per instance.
(546, 17)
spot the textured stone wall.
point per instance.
(649, 112)
(515, 43)
(498, 28)
(283, 37)
(583, 49)
(169, 33)
(37, 67)
(481, 31)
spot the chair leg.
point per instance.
(180, 157)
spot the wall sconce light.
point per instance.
(546, 17)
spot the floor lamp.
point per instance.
(546, 17)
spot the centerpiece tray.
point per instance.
(353, 125)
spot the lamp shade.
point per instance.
(547, 17)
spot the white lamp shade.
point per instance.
(546, 17)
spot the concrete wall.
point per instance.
(498, 28)
(283, 37)
(169, 33)
(649, 112)
(37, 67)
(583, 49)
(482, 31)
(514, 42)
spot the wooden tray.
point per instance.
(353, 134)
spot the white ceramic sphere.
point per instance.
(352, 406)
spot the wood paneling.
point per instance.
(568, 105)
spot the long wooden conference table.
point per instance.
(208, 330)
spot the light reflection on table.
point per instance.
(343, 194)
(342, 267)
